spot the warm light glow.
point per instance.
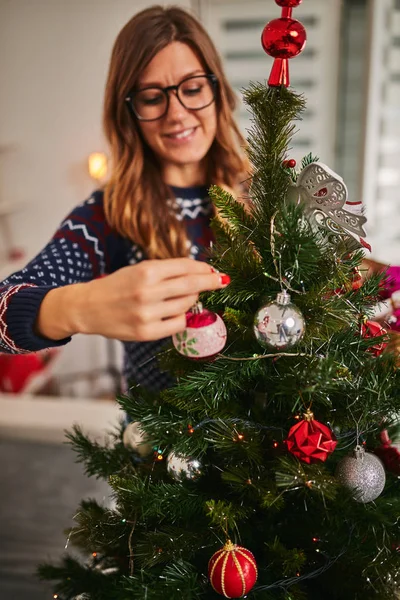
(276, 444)
(97, 163)
(94, 554)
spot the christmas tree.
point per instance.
(256, 475)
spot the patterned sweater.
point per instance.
(84, 248)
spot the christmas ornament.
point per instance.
(323, 194)
(183, 467)
(393, 319)
(289, 164)
(362, 473)
(389, 450)
(232, 571)
(391, 283)
(205, 334)
(357, 280)
(134, 438)
(288, 3)
(279, 324)
(372, 329)
(310, 440)
(283, 38)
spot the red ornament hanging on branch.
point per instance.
(283, 38)
(372, 329)
(310, 440)
(232, 571)
(389, 450)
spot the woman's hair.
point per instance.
(135, 196)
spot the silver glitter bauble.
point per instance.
(362, 473)
(183, 467)
(279, 324)
(135, 439)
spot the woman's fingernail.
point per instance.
(214, 270)
(225, 279)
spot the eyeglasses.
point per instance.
(194, 93)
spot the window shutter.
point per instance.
(381, 177)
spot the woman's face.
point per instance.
(181, 138)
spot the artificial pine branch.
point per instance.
(100, 461)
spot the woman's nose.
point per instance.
(175, 109)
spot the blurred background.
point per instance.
(53, 62)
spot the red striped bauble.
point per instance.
(232, 571)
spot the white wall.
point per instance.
(54, 58)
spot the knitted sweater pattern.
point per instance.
(85, 248)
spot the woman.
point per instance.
(120, 264)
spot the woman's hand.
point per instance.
(142, 302)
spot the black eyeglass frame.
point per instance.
(210, 76)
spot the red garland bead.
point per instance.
(283, 38)
(232, 571)
(371, 329)
(289, 164)
(288, 3)
(310, 440)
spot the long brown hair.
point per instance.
(135, 195)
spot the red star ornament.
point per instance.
(310, 440)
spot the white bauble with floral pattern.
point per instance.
(205, 334)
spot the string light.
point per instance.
(158, 454)
(190, 429)
(94, 554)
(276, 444)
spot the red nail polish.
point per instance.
(225, 279)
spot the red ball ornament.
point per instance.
(389, 453)
(205, 334)
(310, 440)
(372, 329)
(283, 38)
(232, 571)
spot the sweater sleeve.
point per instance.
(79, 251)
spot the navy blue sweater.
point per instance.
(84, 248)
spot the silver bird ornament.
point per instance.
(323, 193)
